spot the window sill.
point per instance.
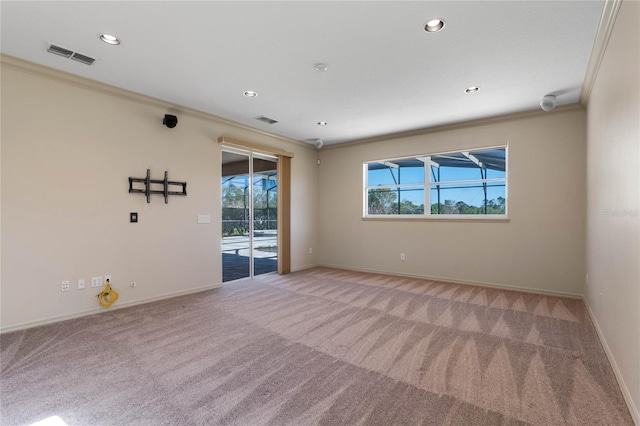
(441, 218)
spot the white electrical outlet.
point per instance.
(96, 282)
(133, 284)
(108, 278)
(402, 257)
(65, 286)
(80, 284)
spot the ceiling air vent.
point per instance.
(57, 50)
(82, 58)
(266, 119)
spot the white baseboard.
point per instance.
(302, 268)
(456, 281)
(633, 409)
(51, 320)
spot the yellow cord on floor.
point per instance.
(108, 296)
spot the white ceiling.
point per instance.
(385, 75)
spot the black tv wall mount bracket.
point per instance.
(165, 186)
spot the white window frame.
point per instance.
(428, 185)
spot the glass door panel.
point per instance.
(265, 215)
(236, 214)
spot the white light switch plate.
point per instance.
(204, 218)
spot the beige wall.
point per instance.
(542, 246)
(67, 153)
(613, 209)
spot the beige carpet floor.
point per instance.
(321, 346)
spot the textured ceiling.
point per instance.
(385, 73)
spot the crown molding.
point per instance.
(28, 67)
(459, 125)
(605, 28)
(96, 86)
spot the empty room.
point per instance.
(320, 213)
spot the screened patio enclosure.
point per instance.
(456, 183)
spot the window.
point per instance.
(458, 183)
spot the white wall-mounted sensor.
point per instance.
(319, 143)
(548, 103)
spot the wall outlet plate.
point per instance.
(80, 284)
(65, 285)
(96, 282)
(108, 278)
(204, 218)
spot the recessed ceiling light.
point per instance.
(321, 67)
(434, 25)
(473, 89)
(109, 39)
(322, 123)
(250, 94)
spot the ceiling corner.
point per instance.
(605, 28)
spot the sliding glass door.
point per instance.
(249, 214)
(265, 215)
